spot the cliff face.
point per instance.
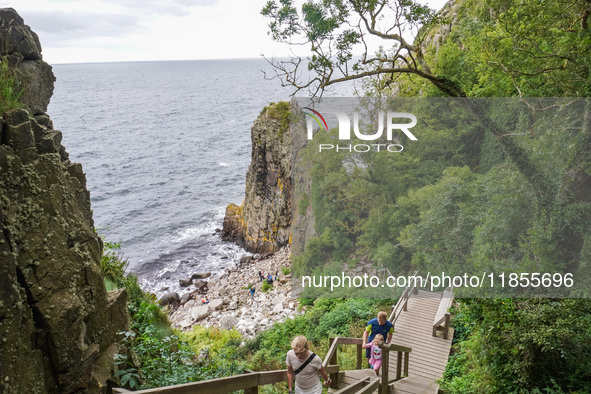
(57, 321)
(262, 223)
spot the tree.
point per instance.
(334, 28)
(530, 43)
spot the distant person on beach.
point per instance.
(375, 360)
(261, 277)
(304, 366)
(252, 292)
(204, 300)
(379, 325)
(270, 279)
(276, 276)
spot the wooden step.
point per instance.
(415, 385)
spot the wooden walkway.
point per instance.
(429, 355)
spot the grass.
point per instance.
(11, 89)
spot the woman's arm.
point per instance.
(290, 378)
(322, 373)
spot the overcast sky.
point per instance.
(79, 31)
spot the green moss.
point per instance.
(280, 112)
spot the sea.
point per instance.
(165, 147)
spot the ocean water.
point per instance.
(165, 147)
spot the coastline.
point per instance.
(230, 304)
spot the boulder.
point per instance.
(201, 275)
(280, 299)
(185, 282)
(201, 285)
(278, 308)
(215, 305)
(170, 299)
(228, 322)
(186, 322)
(199, 312)
(186, 298)
(245, 259)
(191, 304)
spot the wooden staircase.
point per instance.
(414, 328)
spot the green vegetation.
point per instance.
(11, 89)
(326, 317)
(303, 204)
(266, 286)
(521, 345)
(281, 113)
(165, 356)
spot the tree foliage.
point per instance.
(513, 195)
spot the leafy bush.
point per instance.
(327, 317)
(165, 356)
(521, 345)
(113, 265)
(266, 286)
(213, 339)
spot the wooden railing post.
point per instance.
(359, 356)
(398, 365)
(385, 369)
(335, 377)
(406, 357)
(251, 390)
(415, 289)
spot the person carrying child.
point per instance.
(375, 360)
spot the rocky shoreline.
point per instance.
(230, 303)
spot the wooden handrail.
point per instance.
(442, 318)
(401, 369)
(216, 386)
(334, 342)
(402, 303)
(251, 381)
(330, 360)
(248, 381)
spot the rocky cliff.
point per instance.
(58, 322)
(262, 223)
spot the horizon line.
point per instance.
(261, 57)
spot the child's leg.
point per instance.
(376, 366)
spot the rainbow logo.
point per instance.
(315, 115)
